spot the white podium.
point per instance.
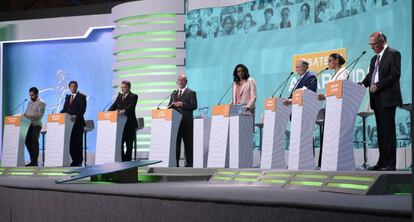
(15, 131)
(164, 129)
(109, 139)
(231, 138)
(305, 107)
(202, 127)
(276, 118)
(343, 98)
(218, 149)
(59, 129)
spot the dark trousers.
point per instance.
(128, 137)
(76, 143)
(387, 140)
(32, 143)
(185, 132)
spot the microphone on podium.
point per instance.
(353, 62)
(18, 106)
(317, 74)
(112, 101)
(282, 84)
(158, 107)
(225, 93)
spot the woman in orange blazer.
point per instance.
(244, 88)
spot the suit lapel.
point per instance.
(242, 88)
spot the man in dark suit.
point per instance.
(185, 101)
(383, 81)
(125, 103)
(75, 105)
(307, 79)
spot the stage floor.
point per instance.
(25, 197)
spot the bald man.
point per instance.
(307, 79)
(383, 81)
(185, 101)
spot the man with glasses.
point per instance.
(185, 101)
(383, 81)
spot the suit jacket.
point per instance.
(78, 108)
(247, 93)
(309, 81)
(388, 92)
(128, 104)
(189, 100)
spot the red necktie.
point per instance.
(71, 100)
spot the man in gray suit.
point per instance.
(184, 100)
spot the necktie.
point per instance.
(71, 99)
(374, 73)
(123, 98)
(179, 94)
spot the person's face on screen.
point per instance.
(73, 88)
(228, 25)
(267, 17)
(304, 11)
(181, 81)
(193, 30)
(247, 21)
(124, 88)
(300, 68)
(240, 72)
(285, 15)
(33, 96)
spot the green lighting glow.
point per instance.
(147, 108)
(148, 23)
(272, 181)
(227, 172)
(143, 143)
(357, 178)
(23, 169)
(139, 50)
(20, 173)
(151, 90)
(249, 174)
(348, 186)
(163, 39)
(1, 173)
(278, 174)
(312, 176)
(222, 178)
(156, 15)
(135, 34)
(52, 174)
(245, 179)
(153, 84)
(306, 183)
(147, 57)
(146, 67)
(147, 74)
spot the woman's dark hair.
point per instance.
(268, 10)
(246, 73)
(230, 18)
(307, 6)
(337, 56)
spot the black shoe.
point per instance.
(31, 164)
(387, 168)
(74, 164)
(376, 167)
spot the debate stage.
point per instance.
(187, 194)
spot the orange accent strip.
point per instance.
(334, 88)
(162, 114)
(297, 97)
(15, 120)
(270, 104)
(221, 110)
(58, 118)
(111, 116)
